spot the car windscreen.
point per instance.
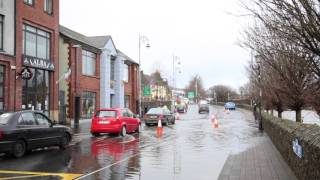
(203, 102)
(4, 118)
(106, 114)
(155, 111)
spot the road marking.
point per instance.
(64, 176)
(123, 160)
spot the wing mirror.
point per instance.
(53, 123)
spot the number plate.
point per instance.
(153, 117)
(103, 122)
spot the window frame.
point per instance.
(126, 73)
(44, 117)
(48, 7)
(21, 117)
(1, 34)
(112, 70)
(86, 57)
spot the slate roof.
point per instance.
(99, 41)
(126, 57)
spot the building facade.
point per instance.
(79, 74)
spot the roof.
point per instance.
(77, 36)
(126, 57)
(99, 41)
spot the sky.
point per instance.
(203, 34)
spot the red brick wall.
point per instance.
(9, 81)
(131, 88)
(35, 16)
(79, 82)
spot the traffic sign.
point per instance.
(146, 91)
(191, 94)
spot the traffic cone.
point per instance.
(214, 121)
(159, 128)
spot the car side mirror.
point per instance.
(53, 123)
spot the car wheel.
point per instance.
(19, 149)
(123, 131)
(138, 129)
(174, 121)
(95, 134)
(147, 124)
(65, 140)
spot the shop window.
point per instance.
(88, 104)
(36, 91)
(88, 63)
(36, 43)
(127, 101)
(48, 6)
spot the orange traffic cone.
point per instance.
(214, 121)
(159, 128)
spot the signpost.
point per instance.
(191, 95)
(146, 91)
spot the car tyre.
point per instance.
(65, 140)
(147, 124)
(174, 121)
(18, 149)
(95, 134)
(123, 131)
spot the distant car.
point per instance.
(181, 108)
(115, 121)
(203, 106)
(230, 106)
(154, 114)
(26, 130)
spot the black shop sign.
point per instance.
(26, 74)
(38, 63)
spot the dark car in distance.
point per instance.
(154, 114)
(203, 106)
(26, 130)
(230, 106)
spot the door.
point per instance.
(51, 134)
(62, 108)
(27, 126)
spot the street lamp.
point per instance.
(175, 61)
(142, 40)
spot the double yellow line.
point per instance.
(28, 174)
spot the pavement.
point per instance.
(195, 148)
(260, 162)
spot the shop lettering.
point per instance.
(38, 63)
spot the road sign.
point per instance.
(191, 95)
(146, 91)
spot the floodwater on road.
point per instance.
(193, 148)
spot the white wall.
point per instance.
(7, 10)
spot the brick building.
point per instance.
(79, 73)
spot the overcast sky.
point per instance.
(202, 33)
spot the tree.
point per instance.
(222, 93)
(196, 85)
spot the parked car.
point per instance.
(115, 121)
(154, 114)
(203, 106)
(26, 130)
(230, 106)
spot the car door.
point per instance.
(167, 115)
(132, 121)
(29, 130)
(51, 135)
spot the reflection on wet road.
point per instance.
(191, 149)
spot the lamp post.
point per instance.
(142, 40)
(175, 61)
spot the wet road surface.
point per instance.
(191, 149)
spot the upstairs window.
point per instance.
(126, 73)
(1, 31)
(88, 63)
(29, 2)
(48, 6)
(112, 71)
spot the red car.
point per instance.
(114, 121)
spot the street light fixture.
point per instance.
(259, 63)
(142, 40)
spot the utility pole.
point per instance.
(196, 89)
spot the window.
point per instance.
(29, 2)
(106, 114)
(88, 104)
(1, 31)
(4, 118)
(126, 73)
(130, 114)
(126, 101)
(2, 87)
(88, 63)
(48, 6)
(42, 120)
(36, 43)
(27, 119)
(112, 100)
(112, 70)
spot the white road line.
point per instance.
(123, 160)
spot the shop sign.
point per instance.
(26, 73)
(297, 148)
(146, 91)
(38, 63)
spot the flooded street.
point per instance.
(193, 148)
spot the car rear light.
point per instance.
(1, 134)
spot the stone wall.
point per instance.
(282, 132)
